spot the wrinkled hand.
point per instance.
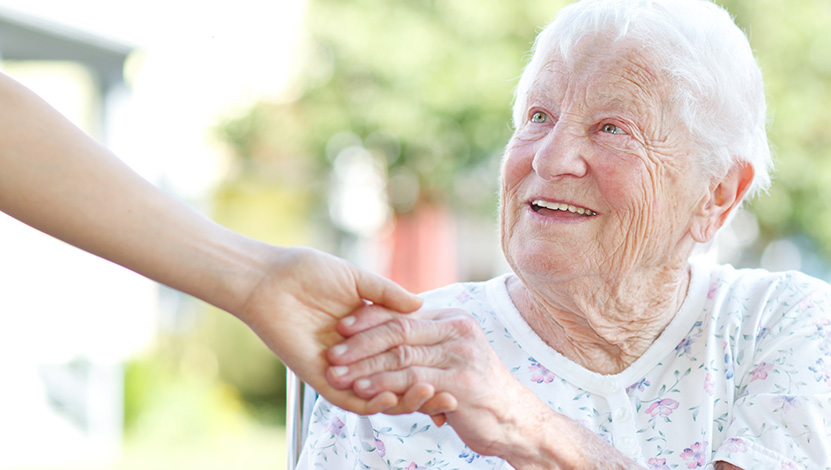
(386, 353)
(295, 308)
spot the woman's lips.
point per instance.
(540, 205)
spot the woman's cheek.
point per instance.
(622, 177)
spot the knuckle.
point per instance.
(466, 326)
(403, 356)
(466, 351)
(415, 375)
(401, 327)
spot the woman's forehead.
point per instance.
(617, 73)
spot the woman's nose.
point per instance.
(560, 153)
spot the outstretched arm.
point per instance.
(60, 181)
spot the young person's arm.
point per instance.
(57, 179)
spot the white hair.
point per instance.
(717, 85)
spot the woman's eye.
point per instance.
(612, 129)
(539, 118)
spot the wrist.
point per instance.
(530, 442)
(241, 268)
(223, 268)
(551, 440)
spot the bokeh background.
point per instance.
(371, 129)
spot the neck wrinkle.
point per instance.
(603, 326)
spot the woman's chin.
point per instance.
(545, 265)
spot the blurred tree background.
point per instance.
(419, 92)
(426, 87)
(790, 40)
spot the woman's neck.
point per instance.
(603, 325)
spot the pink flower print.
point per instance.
(806, 305)
(735, 444)
(539, 373)
(785, 402)
(663, 407)
(712, 292)
(335, 426)
(640, 385)
(694, 455)
(709, 384)
(789, 465)
(657, 464)
(412, 466)
(380, 447)
(761, 371)
(684, 346)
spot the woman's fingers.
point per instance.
(364, 318)
(397, 382)
(382, 401)
(441, 403)
(407, 329)
(397, 358)
(420, 397)
(398, 362)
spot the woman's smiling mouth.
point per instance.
(539, 205)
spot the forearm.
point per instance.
(540, 438)
(58, 180)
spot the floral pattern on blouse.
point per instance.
(742, 374)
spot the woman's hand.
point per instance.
(390, 353)
(489, 409)
(295, 308)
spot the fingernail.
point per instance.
(340, 371)
(338, 349)
(363, 384)
(348, 321)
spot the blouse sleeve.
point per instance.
(782, 409)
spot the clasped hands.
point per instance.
(395, 360)
(436, 362)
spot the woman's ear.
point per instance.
(723, 197)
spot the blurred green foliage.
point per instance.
(181, 413)
(791, 43)
(178, 415)
(427, 85)
(217, 376)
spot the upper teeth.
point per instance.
(559, 206)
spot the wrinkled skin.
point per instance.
(598, 287)
(463, 365)
(598, 135)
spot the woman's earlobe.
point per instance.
(723, 198)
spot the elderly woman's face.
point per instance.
(598, 179)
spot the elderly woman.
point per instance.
(639, 129)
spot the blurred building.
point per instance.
(67, 319)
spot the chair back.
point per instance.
(300, 400)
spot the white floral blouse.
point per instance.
(742, 374)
